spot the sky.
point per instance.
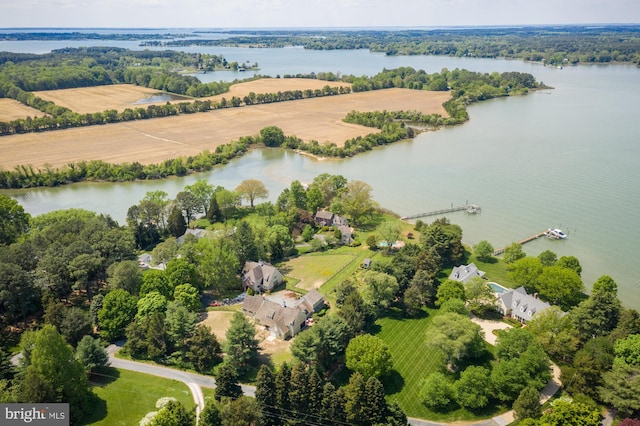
(310, 13)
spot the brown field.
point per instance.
(156, 140)
(275, 85)
(100, 98)
(12, 110)
(219, 322)
(121, 96)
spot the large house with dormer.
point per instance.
(464, 273)
(283, 320)
(261, 276)
(520, 305)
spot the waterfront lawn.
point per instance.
(495, 270)
(129, 396)
(413, 361)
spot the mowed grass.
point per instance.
(129, 396)
(413, 361)
(313, 270)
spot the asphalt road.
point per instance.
(195, 382)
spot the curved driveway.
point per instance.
(195, 382)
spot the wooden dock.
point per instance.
(469, 208)
(499, 251)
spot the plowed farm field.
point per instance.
(156, 140)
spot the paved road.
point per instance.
(195, 382)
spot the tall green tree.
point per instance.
(448, 290)
(356, 400)
(479, 296)
(379, 290)
(241, 346)
(118, 309)
(173, 414)
(265, 395)
(437, 391)
(621, 389)
(52, 374)
(473, 389)
(513, 252)
(203, 349)
(357, 200)
(272, 136)
(527, 405)
(244, 243)
(598, 315)
(203, 192)
(189, 204)
(176, 224)
(560, 286)
(91, 354)
(14, 221)
(252, 189)
(125, 275)
(369, 356)
(218, 263)
(483, 250)
(456, 336)
(526, 271)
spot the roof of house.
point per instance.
(267, 312)
(313, 298)
(522, 305)
(257, 271)
(251, 304)
(323, 214)
(464, 273)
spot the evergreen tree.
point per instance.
(527, 405)
(356, 403)
(283, 379)
(227, 383)
(91, 354)
(266, 396)
(376, 405)
(210, 414)
(299, 390)
(203, 349)
(241, 346)
(245, 243)
(213, 213)
(176, 225)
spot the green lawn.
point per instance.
(495, 271)
(413, 362)
(129, 396)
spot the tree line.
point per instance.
(555, 45)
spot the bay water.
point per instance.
(565, 157)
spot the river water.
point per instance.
(565, 158)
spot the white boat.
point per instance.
(556, 233)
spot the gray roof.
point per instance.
(464, 273)
(522, 305)
(251, 304)
(323, 214)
